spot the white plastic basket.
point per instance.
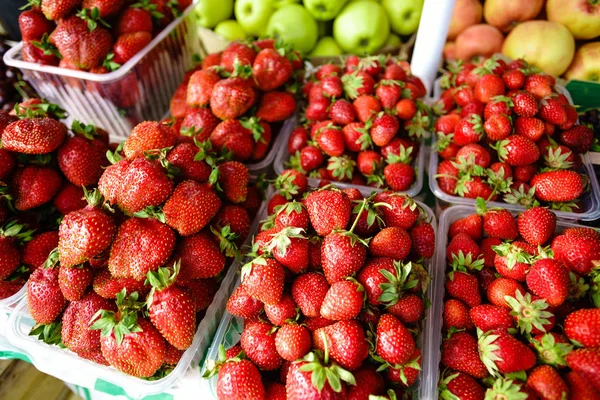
(139, 90)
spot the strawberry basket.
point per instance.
(231, 327)
(139, 90)
(434, 324)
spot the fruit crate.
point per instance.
(433, 325)
(590, 200)
(230, 328)
(139, 90)
(67, 366)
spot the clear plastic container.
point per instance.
(139, 90)
(418, 164)
(590, 200)
(7, 306)
(67, 366)
(433, 325)
(230, 328)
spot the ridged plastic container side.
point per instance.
(67, 366)
(590, 200)
(230, 328)
(139, 90)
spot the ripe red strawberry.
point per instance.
(281, 312)
(34, 186)
(488, 86)
(292, 341)
(546, 382)
(108, 286)
(342, 255)
(236, 136)
(197, 123)
(134, 20)
(549, 279)
(468, 130)
(525, 104)
(579, 388)
(190, 208)
(422, 236)
(81, 160)
(81, 47)
(576, 252)
(513, 79)
(232, 97)
(498, 223)
(331, 141)
(76, 320)
(579, 138)
(462, 386)
(33, 25)
(582, 326)
(84, 234)
(171, 309)
(487, 317)
(517, 150)
(389, 93)
(395, 344)
(292, 214)
(276, 106)
(447, 176)
(33, 135)
(148, 135)
(342, 112)
(403, 212)
(501, 352)
(343, 301)
(472, 225)
(45, 300)
(141, 245)
(368, 161)
(73, 281)
(456, 315)
(129, 44)
(245, 54)
(241, 304)
(345, 341)
(498, 105)
(537, 225)
(557, 186)
(238, 380)
(551, 110)
(462, 242)
(366, 106)
(35, 252)
(529, 127)
(368, 382)
(328, 210)
(258, 342)
(391, 242)
(200, 87)
(271, 69)
(263, 278)
(290, 248)
(399, 176)
(406, 109)
(309, 291)
(464, 286)
(460, 353)
(501, 287)
(383, 129)
(497, 127)
(586, 362)
(182, 157)
(58, 9)
(299, 383)
(145, 183)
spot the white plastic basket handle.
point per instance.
(431, 36)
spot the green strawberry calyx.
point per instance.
(551, 352)
(341, 167)
(285, 185)
(213, 366)
(282, 239)
(397, 283)
(122, 323)
(227, 240)
(529, 313)
(505, 389)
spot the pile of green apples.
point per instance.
(315, 27)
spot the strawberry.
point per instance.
(201, 291)
(81, 160)
(345, 341)
(460, 353)
(331, 141)
(171, 309)
(383, 129)
(398, 175)
(145, 183)
(503, 353)
(389, 93)
(472, 225)
(281, 312)
(487, 317)
(551, 110)
(200, 87)
(298, 139)
(197, 123)
(406, 109)
(517, 150)
(182, 157)
(33, 25)
(328, 210)
(395, 344)
(34, 186)
(456, 315)
(342, 112)
(231, 220)
(529, 127)
(547, 383)
(134, 19)
(270, 69)
(327, 382)
(35, 252)
(502, 287)
(292, 341)
(190, 208)
(108, 286)
(73, 281)
(525, 104)
(245, 54)
(343, 301)
(342, 255)
(290, 248)
(462, 386)
(368, 382)
(581, 326)
(148, 135)
(557, 186)
(422, 236)
(403, 212)
(468, 130)
(242, 305)
(128, 45)
(236, 136)
(33, 135)
(85, 233)
(497, 223)
(579, 387)
(579, 138)
(462, 243)
(45, 300)
(365, 106)
(514, 79)
(488, 86)
(539, 85)
(498, 105)
(586, 362)
(576, 252)
(258, 342)
(238, 380)
(292, 214)
(464, 287)
(58, 9)
(276, 106)
(447, 176)
(497, 127)
(536, 225)
(76, 320)
(311, 158)
(368, 162)
(391, 242)
(232, 97)
(549, 279)
(309, 291)
(263, 278)
(141, 245)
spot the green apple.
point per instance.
(253, 15)
(326, 46)
(324, 10)
(211, 12)
(281, 3)
(230, 30)
(356, 33)
(375, 1)
(393, 40)
(294, 25)
(404, 15)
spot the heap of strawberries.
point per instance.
(332, 298)
(506, 133)
(239, 97)
(364, 124)
(92, 35)
(520, 318)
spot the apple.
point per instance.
(326, 46)
(450, 51)
(581, 17)
(210, 12)
(281, 3)
(477, 40)
(404, 15)
(230, 30)
(505, 14)
(294, 25)
(586, 64)
(547, 45)
(465, 14)
(356, 33)
(324, 10)
(393, 41)
(253, 15)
